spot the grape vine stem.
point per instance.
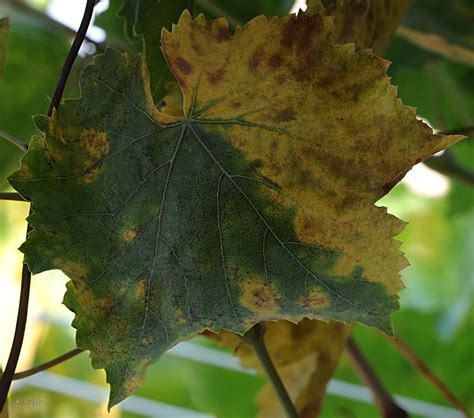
(255, 338)
(47, 365)
(385, 403)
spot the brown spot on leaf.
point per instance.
(222, 35)
(301, 32)
(196, 47)
(258, 297)
(215, 76)
(280, 79)
(255, 59)
(183, 66)
(275, 61)
(286, 114)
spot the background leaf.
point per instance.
(143, 21)
(367, 23)
(306, 355)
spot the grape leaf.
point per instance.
(306, 356)
(367, 23)
(4, 25)
(144, 20)
(257, 205)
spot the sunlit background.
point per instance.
(198, 379)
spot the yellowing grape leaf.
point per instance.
(4, 25)
(305, 354)
(257, 205)
(367, 23)
(143, 21)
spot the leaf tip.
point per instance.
(41, 122)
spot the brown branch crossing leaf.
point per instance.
(257, 205)
(306, 356)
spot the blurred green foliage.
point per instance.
(437, 315)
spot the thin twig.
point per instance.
(12, 196)
(14, 141)
(71, 57)
(17, 343)
(49, 364)
(12, 361)
(384, 401)
(466, 130)
(448, 165)
(424, 370)
(255, 338)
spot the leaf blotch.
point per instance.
(215, 76)
(258, 297)
(316, 298)
(142, 290)
(72, 269)
(94, 143)
(255, 59)
(275, 61)
(302, 32)
(183, 66)
(222, 35)
(129, 235)
(95, 146)
(286, 115)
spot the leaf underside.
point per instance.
(256, 204)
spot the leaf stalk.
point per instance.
(255, 338)
(14, 141)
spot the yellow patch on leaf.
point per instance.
(316, 298)
(258, 297)
(129, 235)
(94, 143)
(72, 269)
